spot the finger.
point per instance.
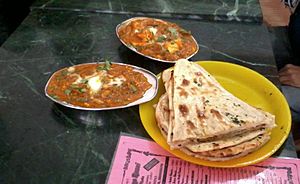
(284, 73)
(288, 71)
(285, 79)
(289, 65)
(288, 83)
(286, 68)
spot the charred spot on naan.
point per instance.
(215, 144)
(197, 82)
(200, 114)
(166, 109)
(193, 91)
(183, 92)
(204, 101)
(216, 114)
(184, 110)
(191, 124)
(185, 82)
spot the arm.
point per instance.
(290, 75)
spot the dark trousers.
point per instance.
(294, 36)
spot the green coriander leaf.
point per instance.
(64, 72)
(161, 38)
(55, 97)
(82, 90)
(185, 31)
(106, 66)
(67, 91)
(173, 31)
(133, 88)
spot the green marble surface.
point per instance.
(42, 142)
(220, 10)
(55, 33)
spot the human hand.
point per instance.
(290, 75)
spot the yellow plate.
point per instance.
(250, 87)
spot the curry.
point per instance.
(97, 85)
(158, 39)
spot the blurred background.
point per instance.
(12, 13)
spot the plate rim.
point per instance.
(199, 161)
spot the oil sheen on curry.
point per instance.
(97, 85)
(157, 39)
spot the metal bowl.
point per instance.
(126, 22)
(148, 95)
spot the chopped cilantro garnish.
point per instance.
(84, 81)
(75, 86)
(67, 91)
(81, 99)
(161, 38)
(64, 72)
(82, 90)
(133, 88)
(185, 31)
(106, 66)
(55, 97)
(173, 31)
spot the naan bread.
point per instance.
(227, 149)
(226, 142)
(231, 152)
(199, 117)
(204, 110)
(162, 114)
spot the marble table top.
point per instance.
(42, 142)
(213, 10)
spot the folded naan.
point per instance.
(218, 150)
(198, 116)
(231, 152)
(201, 109)
(162, 114)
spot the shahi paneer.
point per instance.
(98, 85)
(157, 38)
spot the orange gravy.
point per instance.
(158, 39)
(98, 85)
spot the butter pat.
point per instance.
(95, 83)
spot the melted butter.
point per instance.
(95, 83)
(153, 30)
